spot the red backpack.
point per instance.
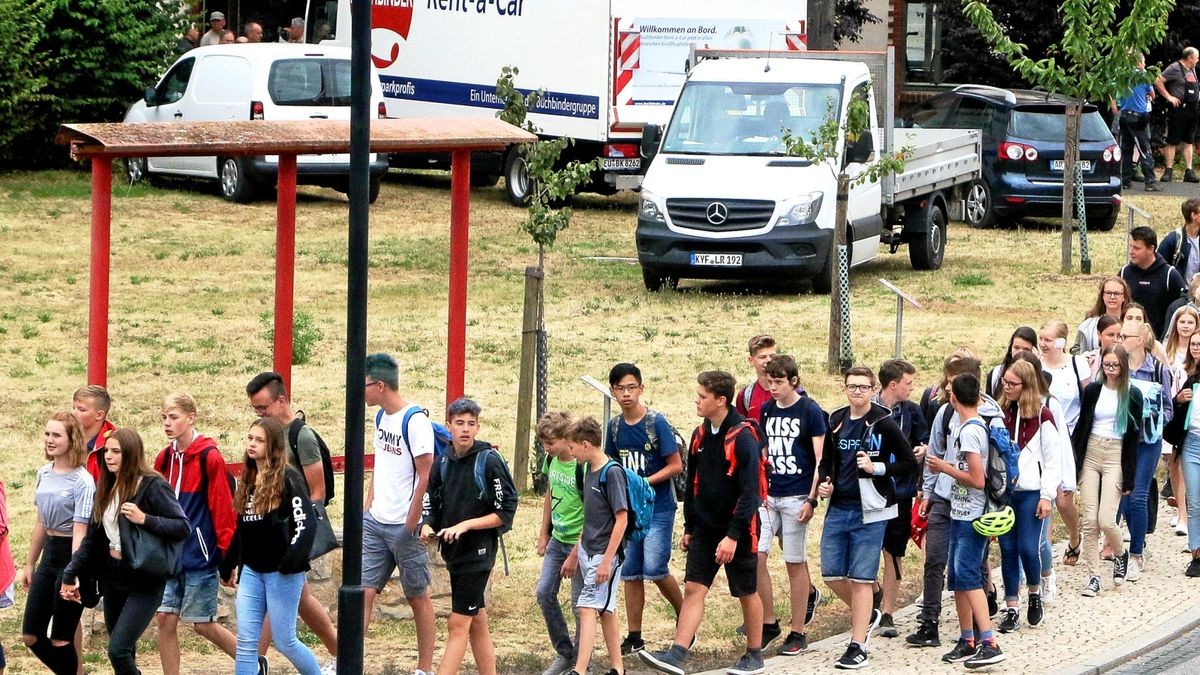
(731, 452)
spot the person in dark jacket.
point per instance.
(1152, 281)
(727, 482)
(866, 452)
(129, 495)
(275, 532)
(470, 502)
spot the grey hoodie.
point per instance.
(940, 484)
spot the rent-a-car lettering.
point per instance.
(503, 7)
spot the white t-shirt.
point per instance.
(395, 478)
(1104, 421)
(967, 503)
(1064, 385)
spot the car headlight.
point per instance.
(649, 208)
(801, 211)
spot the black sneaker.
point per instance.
(1011, 620)
(669, 661)
(993, 604)
(770, 631)
(887, 628)
(961, 652)
(264, 668)
(1120, 568)
(877, 598)
(749, 664)
(853, 659)
(1092, 588)
(1167, 176)
(793, 644)
(1189, 176)
(1193, 568)
(987, 655)
(926, 636)
(1153, 187)
(1035, 609)
(876, 618)
(632, 645)
(814, 599)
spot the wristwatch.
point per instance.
(811, 502)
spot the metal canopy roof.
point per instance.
(269, 137)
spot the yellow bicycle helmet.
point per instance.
(996, 523)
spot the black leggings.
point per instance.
(130, 601)
(44, 603)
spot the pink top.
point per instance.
(8, 568)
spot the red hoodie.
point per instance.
(211, 515)
(95, 458)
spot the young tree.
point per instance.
(1094, 60)
(829, 146)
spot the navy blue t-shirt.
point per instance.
(849, 442)
(789, 433)
(632, 449)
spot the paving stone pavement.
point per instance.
(1074, 633)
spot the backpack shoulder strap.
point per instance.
(579, 474)
(731, 442)
(649, 421)
(413, 410)
(614, 424)
(294, 438)
(1180, 249)
(747, 396)
(204, 472)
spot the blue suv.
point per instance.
(1023, 153)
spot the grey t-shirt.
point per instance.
(601, 503)
(63, 499)
(307, 448)
(966, 503)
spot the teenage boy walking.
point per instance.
(468, 521)
(795, 428)
(720, 526)
(605, 518)
(403, 446)
(751, 398)
(654, 457)
(558, 544)
(970, 438)
(90, 405)
(866, 453)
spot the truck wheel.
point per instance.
(980, 211)
(373, 188)
(236, 184)
(656, 281)
(136, 169)
(517, 184)
(822, 282)
(927, 254)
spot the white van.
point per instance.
(255, 82)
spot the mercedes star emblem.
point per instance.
(717, 213)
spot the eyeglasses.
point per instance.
(373, 383)
(856, 388)
(1008, 384)
(626, 388)
(1114, 294)
(1122, 338)
(1110, 366)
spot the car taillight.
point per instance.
(1112, 153)
(256, 110)
(1018, 151)
(621, 150)
(382, 110)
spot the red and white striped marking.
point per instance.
(626, 59)
(797, 35)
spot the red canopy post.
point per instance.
(460, 208)
(97, 365)
(285, 267)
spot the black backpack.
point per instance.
(679, 482)
(326, 459)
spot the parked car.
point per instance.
(254, 82)
(1023, 153)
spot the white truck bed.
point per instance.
(940, 158)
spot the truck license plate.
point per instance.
(1058, 164)
(617, 163)
(717, 259)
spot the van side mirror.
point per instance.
(860, 151)
(150, 96)
(651, 135)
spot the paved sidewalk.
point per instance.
(1077, 635)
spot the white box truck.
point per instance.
(721, 199)
(608, 67)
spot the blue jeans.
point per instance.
(1191, 481)
(277, 595)
(850, 548)
(547, 597)
(1135, 506)
(648, 559)
(965, 558)
(1020, 549)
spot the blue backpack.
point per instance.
(641, 501)
(1001, 470)
(441, 435)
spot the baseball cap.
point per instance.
(216, 16)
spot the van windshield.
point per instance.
(746, 118)
(1050, 124)
(310, 82)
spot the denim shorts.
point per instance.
(600, 597)
(191, 595)
(648, 559)
(778, 516)
(963, 562)
(386, 547)
(850, 548)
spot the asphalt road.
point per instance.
(1179, 657)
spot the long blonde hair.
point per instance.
(1173, 346)
(77, 451)
(1029, 403)
(267, 479)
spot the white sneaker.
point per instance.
(330, 668)
(1124, 533)
(1175, 520)
(1181, 530)
(1050, 587)
(1134, 572)
(920, 601)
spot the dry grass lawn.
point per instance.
(192, 288)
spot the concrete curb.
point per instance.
(1138, 646)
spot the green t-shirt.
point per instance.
(566, 506)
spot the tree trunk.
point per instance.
(836, 357)
(1070, 157)
(821, 15)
